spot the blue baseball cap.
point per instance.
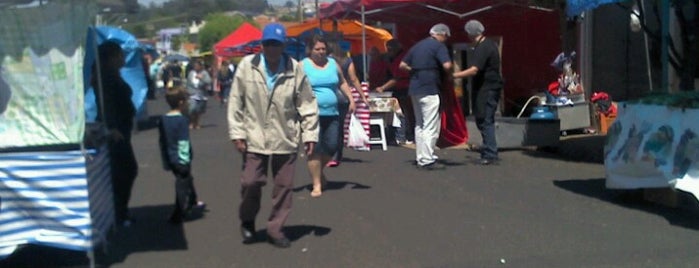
(274, 31)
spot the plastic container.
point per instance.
(542, 113)
(605, 122)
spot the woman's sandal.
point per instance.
(316, 193)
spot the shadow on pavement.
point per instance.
(293, 232)
(149, 232)
(685, 216)
(42, 256)
(584, 148)
(334, 185)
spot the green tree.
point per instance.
(217, 26)
(289, 4)
(256, 6)
(139, 30)
(225, 5)
(288, 17)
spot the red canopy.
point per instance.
(530, 35)
(241, 36)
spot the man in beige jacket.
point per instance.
(271, 106)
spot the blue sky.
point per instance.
(148, 2)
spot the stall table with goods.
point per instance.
(654, 143)
(382, 108)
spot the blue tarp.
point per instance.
(132, 72)
(577, 7)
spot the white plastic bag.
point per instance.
(357, 136)
(396, 121)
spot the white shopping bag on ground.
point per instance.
(357, 137)
(396, 121)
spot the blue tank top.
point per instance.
(324, 82)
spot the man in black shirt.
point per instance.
(484, 67)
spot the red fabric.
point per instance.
(378, 71)
(599, 96)
(362, 113)
(453, 129)
(241, 36)
(553, 88)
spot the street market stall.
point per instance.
(654, 143)
(516, 35)
(55, 187)
(233, 45)
(52, 192)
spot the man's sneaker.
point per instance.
(432, 166)
(488, 161)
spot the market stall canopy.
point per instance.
(241, 36)
(132, 72)
(577, 7)
(530, 36)
(351, 31)
(352, 8)
(41, 90)
(175, 57)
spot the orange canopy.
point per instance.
(351, 31)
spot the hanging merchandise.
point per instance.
(568, 82)
(603, 103)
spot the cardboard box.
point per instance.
(605, 122)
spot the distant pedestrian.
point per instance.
(425, 61)
(398, 84)
(176, 152)
(361, 102)
(484, 67)
(198, 83)
(271, 107)
(225, 80)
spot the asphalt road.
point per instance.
(534, 209)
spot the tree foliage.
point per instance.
(289, 4)
(218, 26)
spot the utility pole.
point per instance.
(299, 12)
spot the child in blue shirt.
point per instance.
(176, 153)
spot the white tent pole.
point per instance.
(664, 40)
(98, 72)
(364, 66)
(645, 40)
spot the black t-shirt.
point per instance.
(487, 58)
(118, 108)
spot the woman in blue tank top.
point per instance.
(325, 76)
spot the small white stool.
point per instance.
(377, 120)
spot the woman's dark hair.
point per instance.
(107, 50)
(174, 96)
(313, 41)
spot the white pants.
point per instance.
(427, 126)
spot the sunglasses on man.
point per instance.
(272, 43)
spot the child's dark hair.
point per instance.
(174, 96)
